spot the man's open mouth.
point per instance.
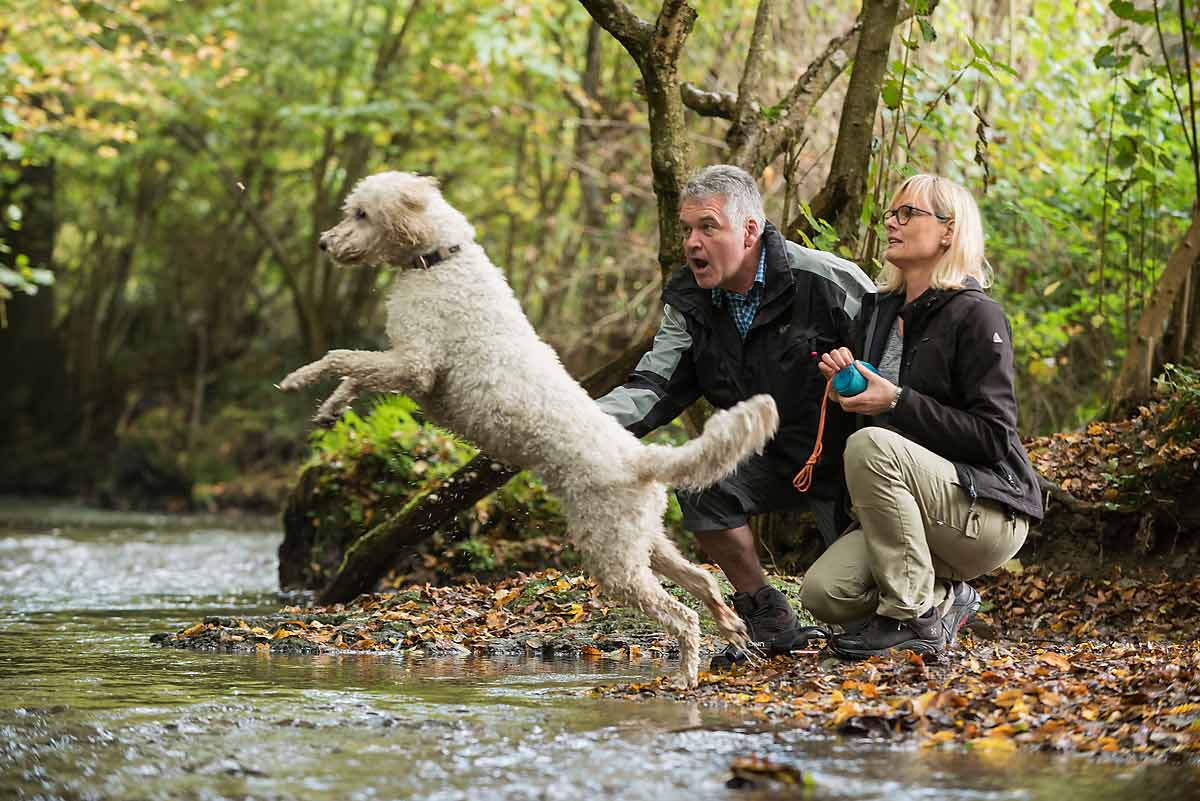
(698, 264)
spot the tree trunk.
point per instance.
(1133, 382)
(840, 200)
(656, 50)
(377, 551)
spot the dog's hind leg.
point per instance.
(666, 560)
(639, 588)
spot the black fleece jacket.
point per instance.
(958, 399)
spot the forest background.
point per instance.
(165, 168)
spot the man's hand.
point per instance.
(875, 399)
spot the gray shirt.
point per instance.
(893, 349)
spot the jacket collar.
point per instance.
(890, 304)
(933, 299)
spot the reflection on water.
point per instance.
(90, 709)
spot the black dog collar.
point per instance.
(427, 260)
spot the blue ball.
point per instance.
(849, 382)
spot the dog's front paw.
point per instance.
(299, 378)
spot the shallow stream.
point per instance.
(90, 709)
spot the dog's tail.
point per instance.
(729, 436)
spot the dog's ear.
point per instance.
(415, 192)
(406, 204)
(420, 189)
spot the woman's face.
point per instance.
(919, 242)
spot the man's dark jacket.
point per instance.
(958, 399)
(808, 304)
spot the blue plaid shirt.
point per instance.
(743, 307)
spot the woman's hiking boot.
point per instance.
(966, 604)
(772, 624)
(923, 635)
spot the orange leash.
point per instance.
(803, 479)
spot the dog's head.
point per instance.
(393, 217)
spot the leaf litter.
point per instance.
(1054, 660)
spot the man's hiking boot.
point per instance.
(772, 624)
(923, 635)
(966, 604)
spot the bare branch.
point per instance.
(752, 71)
(623, 24)
(710, 104)
(761, 140)
(798, 103)
(671, 30)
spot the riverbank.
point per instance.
(1054, 661)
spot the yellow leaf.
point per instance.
(937, 738)
(1056, 660)
(502, 597)
(190, 630)
(992, 744)
(923, 703)
(844, 712)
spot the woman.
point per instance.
(940, 485)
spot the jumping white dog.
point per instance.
(462, 348)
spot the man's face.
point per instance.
(717, 254)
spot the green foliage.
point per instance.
(827, 237)
(1078, 170)
(200, 148)
(371, 466)
(1181, 387)
(391, 432)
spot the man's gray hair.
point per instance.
(742, 199)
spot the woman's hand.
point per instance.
(875, 399)
(834, 361)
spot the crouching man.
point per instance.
(747, 314)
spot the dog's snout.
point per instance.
(323, 243)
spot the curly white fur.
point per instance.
(462, 348)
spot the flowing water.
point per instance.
(90, 709)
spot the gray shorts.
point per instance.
(759, 485)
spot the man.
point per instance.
(748, 313)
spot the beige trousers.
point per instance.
(917, 529)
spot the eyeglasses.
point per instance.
(905, 213)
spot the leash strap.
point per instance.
(803, 479)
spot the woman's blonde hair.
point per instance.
(964, 257)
